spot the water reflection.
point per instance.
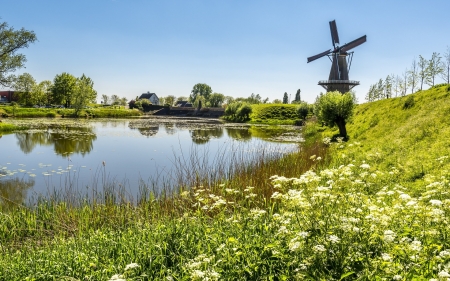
(66, 141)
(13, 192)
(149, 131)
(203, 136)
(242, 134)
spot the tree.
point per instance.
(254, 99)
(123, 101)
(285, 98)
(297, 96)
(434, 68)
(216, 100)
(413, 76)
(405, 82)
(423, 65)
(379, 90)
(170, 100)
(228, 100)
(63, 88)
(83, 93)
(105, 99)
(24, 85)
(303, 110)
(202, 90)
(276, 101)
(40, 92)
(335, 108)
(46, 87)
(182, 99)
(115, 100)
(388, 87)
(446, 66)
(10, 42)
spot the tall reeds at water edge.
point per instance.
(108, 203)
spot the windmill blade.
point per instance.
(310, 59)
(334, 33)
(353, 44)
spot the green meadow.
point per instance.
(97, 112)
(373, 208)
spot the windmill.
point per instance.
(341, 60)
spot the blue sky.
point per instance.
(129, 47)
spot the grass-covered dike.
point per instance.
(373, 208)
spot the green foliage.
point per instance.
(24, 86)
(275, 114)
(237, 112)
(335, 108)
(303, 110)
(64, 86)
(11, 41)
(84, 93)
(285, 98)
(202, 90)
(216, 100)
(409, 102)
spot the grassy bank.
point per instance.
(275, 114)
(374, 208)
(10, 111)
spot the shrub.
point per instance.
(409, 102)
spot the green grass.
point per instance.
(63, 112)
(5, 127)
(274, 114)
(373, 208)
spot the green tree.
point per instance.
(446, 66)
(40, 92)
(254, 99)
(297, 96)
(335, 108)
(105, 99)
(115, 100)
(24, 86)
(202, 90)
(413, 76)
(84, 93)
(216, 100)
(63, 88)
(434, 68)
(123, 101)
(277, 101)
(285, 98)
(423, 65)
(11, 41)
(46, 87)
(170, 100)
(303, 110)
(182, 99)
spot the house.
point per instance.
(181, 103)
(7, 96)
(152, 97)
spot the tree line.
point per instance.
(421, 72)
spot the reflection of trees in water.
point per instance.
(204, 135)
(170, 129)
(65, 141)
(239, 133)
(13, 192)
(149, 131)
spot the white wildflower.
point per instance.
(319, 248)
(117, 277)
(365, 166)
(389, 236)
(443, 274)
(397, 277)
(436, 202)
(404, 196)
(131, 266)
(333, 239)
(386, 257)
(416, 246)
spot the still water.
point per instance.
(55, 155)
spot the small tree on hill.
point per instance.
(335, 108)
(297, 96)
(285, 98)
(446, 66)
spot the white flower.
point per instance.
(365, 166)
(404, 196)
(436, 202)
(397, 277)
(386, 257)
(131, 266)
(294, 246)
(443, 274)
(416, 246)
(333, 239)
(389, 236)
(117, 277)
(319, 248)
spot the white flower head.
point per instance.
(435, 202)
(319, 248)
(131, 266)
(365, 166)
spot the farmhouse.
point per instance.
(152, 97)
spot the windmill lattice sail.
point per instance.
(341, 58)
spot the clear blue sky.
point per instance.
(238, 47)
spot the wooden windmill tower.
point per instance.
(341, 60)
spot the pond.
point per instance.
(83, 157)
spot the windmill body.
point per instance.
(341, 59)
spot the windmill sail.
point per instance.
(354, 43)
(310, 59)
(334, 33)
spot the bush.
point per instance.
(303, 110)
(409, 102)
